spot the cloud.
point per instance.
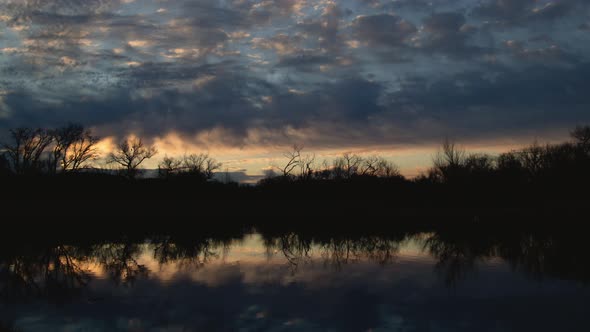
(339, 294)
(477, 103)
(282, 44)
(551, 53)
(383, 30)
(326, 28)
(267, 72)
(522, 12)
(447, 33)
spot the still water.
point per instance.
(289, 282)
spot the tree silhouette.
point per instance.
(120, 260)
(306, 166)
(378, 166)
(347, 165)
(73, 147)
(532, 159)
(448, 162)
(168, 167)
(581, 134)
(297, 161)
(201, 164)
(450, 155)
(198, 165)
(294, 160)
(27, 148)
(130, 153)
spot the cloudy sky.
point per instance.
(244, 79)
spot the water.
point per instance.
(290, 282)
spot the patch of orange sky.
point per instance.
(254, 157)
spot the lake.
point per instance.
(287, 281)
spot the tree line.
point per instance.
(49, 269)
(73, 149)
(536, 163)
(300, 167)
(452, 165)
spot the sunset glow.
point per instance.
(245, 80)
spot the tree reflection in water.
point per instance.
(58, 272)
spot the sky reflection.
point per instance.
(253, 285)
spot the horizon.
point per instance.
(294, 165)
(411, 162)
(245, 80)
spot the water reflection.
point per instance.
(407, 281)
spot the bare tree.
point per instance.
(27, 148)
(324, 171)
(352, 163)
(480, 163)
(385, 168)
(582, 137)
(294, 160)
(73, 147)
(297, 161)
(347, 166)
(306, 165)
(169, 166)
(532, 158)
(201, 164)
(193, 164)
(369, 166)
(338, 166)
(211, 165)
(448, 162)
(450, 156)
(130, 153)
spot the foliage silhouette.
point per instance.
(57, 268)
(129, 154)
(73, 146)
(536, 179)
(26, 150)
(199, 166)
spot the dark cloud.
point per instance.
(383, 30)
(306, 61)
(326, 29)
(448, 33)
(22, 10)
(316, 43)
(342, 73)
(549, 53)
(521, 12)
(349, 100)
(505, 9)
(225, 101)
(282, 44)
(481, 103)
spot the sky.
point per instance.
(246, 79)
